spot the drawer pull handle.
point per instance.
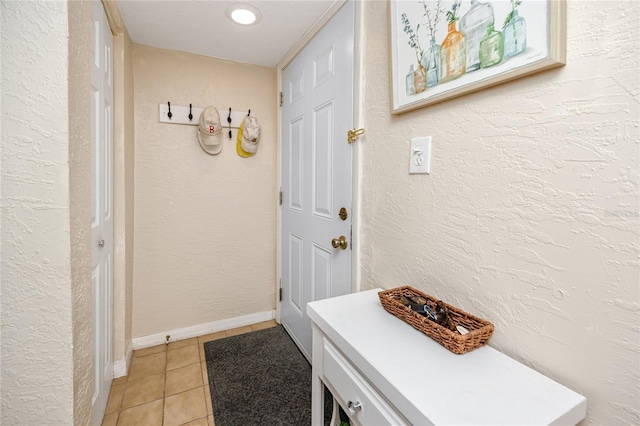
(354, 407)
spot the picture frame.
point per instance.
(442, 49)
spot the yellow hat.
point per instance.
(248, 137)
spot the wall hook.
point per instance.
(249, 113)
(190, 115)
(229, 121)
(169, 113)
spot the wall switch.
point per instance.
(420, 156)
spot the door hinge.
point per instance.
(280, 196)
(353, 134)
(281, 289)
(350, 236)
(281, 99)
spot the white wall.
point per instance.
(37, 336)
(530, 217)
(204, 225)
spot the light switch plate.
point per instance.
(420, 155)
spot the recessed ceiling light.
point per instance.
(243, 14)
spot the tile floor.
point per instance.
(168, 384)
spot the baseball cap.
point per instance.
(210, 131)
(248, 137)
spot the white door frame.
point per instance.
(358, 67)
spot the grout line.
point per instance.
(164, 388)
(206, 411)
(193, 420)
(124, 390)
(142, 403)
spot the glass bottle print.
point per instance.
(420, 79)
(452, 55)
(515, 35)
(491, 48)
(474, 25)
(431, 61)
(419, 75)
(409, 82)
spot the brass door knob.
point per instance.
(340, 242)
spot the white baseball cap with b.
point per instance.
(210, 131)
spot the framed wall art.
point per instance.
(441, 49)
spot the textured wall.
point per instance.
(129, 156)
(36, 311)
(204, 225)
(123, 190)
(80, 205)
(530, 217)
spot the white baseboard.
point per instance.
(201, 329)
(121, 367)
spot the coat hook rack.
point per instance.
(185, 114)
(229, 121)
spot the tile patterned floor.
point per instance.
(168, 384)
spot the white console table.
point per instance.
(386, 373)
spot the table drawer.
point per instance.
(350, 387)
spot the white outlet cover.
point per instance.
(420, 155)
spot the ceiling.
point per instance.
(202, 27)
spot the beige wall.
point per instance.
(123, 198)
(204, 225)
(529, 217)
(80, 205)
(129, 122)
(41, 297)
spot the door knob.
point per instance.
(101, 243)
(354, 407)
(340, 242)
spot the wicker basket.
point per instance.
(479, 329)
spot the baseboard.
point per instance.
(201, 329)
(121, 367)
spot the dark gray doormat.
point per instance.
(260, 378)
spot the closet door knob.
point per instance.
(354, 407)
(101, 243)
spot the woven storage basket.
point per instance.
(479, 329)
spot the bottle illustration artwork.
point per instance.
(491, 48)
(431, 61)
(452, 49)
(452, 55)
(474, 25)
(420, 74)
(420, 79)
(410, 86)
(514, 32)
(431, 58)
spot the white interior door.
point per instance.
(101, 208)
(317, 112)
